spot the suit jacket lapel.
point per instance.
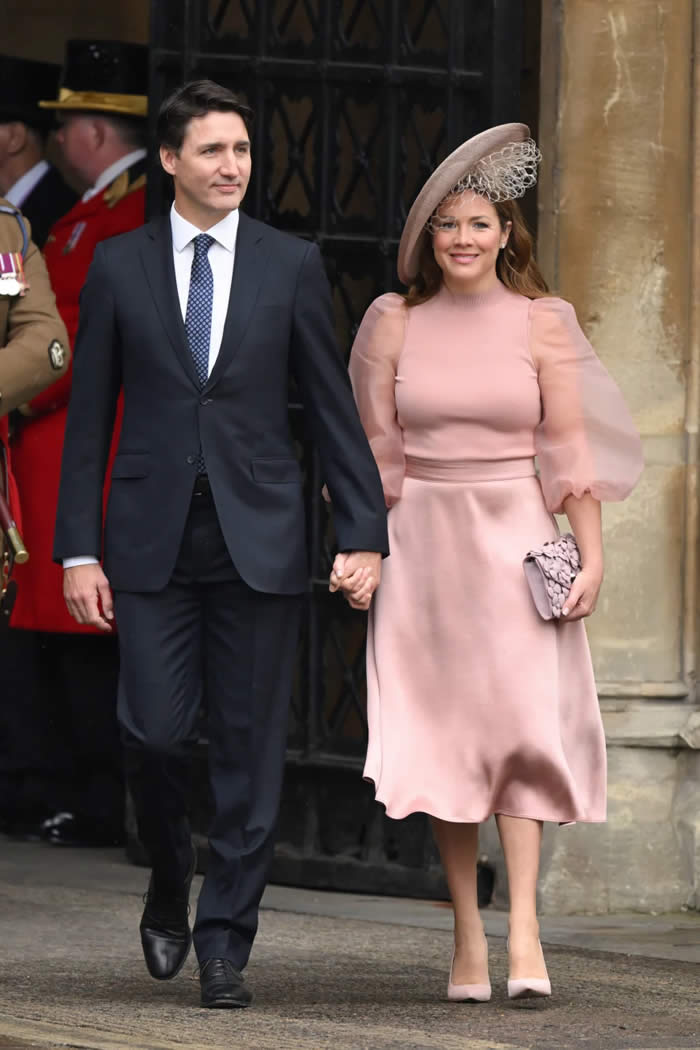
(248, 270)
(157, 258)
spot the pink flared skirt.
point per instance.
(476, 705)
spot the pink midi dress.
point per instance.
(475, 704)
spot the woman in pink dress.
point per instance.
(476, 705)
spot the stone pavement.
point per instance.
(329, 971)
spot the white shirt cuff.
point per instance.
(83, 559)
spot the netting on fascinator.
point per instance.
(501, 176)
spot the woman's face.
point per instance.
(468, 237)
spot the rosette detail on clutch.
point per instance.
(550, 571)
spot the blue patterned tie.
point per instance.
(198, 315)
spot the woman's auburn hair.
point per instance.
(515, 266)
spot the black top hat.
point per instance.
(22, 83)
(109, 76)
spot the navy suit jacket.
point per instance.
(131, 336)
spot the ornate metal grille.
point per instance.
(356, 101)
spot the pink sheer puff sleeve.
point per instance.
(586, 440)
(373, 363)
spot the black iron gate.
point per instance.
(356, 101)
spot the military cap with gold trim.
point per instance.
(105, 76)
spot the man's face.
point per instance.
(212, 169)
(13, 137)
(77, 140)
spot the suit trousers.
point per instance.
(207, 636)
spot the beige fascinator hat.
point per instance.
(499, 164)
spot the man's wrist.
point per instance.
(80, 559)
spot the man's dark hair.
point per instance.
(196, 99)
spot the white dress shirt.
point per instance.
(110, 173)
(221, 258)
(20, 190)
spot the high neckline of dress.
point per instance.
(498, 291)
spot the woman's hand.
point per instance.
(584, 516)
(583, 596)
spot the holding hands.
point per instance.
(357, 575)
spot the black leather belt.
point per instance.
(201, 485)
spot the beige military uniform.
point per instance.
(34, 349)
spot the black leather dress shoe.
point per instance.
(166, 937)
(70, 829)
(222, 985)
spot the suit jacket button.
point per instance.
(205, 401)
(190, 459)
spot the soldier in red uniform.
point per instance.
(33, 354)
(33, 351)
(101, 108)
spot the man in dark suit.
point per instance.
(200, 316)
(27, 180)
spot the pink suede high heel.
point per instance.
(467, 993)
(529, 987)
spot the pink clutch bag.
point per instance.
(550, 570)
